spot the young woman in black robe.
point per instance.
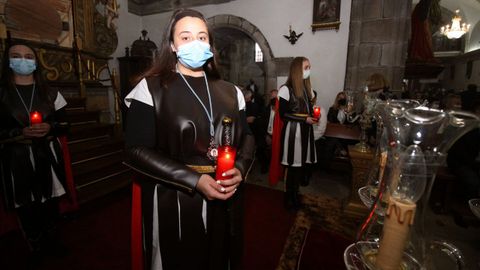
(189, 220)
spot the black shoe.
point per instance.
(297, 202)
(289, 203)
(305, 181)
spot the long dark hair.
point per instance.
(164, 64)
(7, 81)
(295, 78)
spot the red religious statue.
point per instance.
(421, 49)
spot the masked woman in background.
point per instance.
(189, 220)
(337, 112)
(31, 159)
(295, 109)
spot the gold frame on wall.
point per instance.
(326, 14)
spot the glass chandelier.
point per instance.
(455, 30)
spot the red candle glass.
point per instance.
(225, 161)
(316, 112)
(35, 118)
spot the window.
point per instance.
(258, 53)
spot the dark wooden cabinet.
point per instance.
(130, 68)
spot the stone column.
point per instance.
(378, 40)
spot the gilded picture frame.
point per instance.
(326, 14)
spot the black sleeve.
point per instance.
(142, 156)
(60, 124)
(140, 125)
(6, 132)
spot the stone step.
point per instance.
(83, 117)
(86, 169)
(75, 103)
(90, 131)
(89, 178)
(104, 184)
(88, 149)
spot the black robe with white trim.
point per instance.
(167, 129)
(298, 139)
(31, 170)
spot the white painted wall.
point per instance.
(474, 40)
(327, 49)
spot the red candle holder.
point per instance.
(35, 118)
(225, 161)
(316, 112)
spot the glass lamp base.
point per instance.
(362, 255)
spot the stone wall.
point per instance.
(378, 40)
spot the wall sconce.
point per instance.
(293, 37)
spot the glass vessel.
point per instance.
(430, 133)
(383, 110)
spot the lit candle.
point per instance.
(225, 161)
(316, 112)
(35, 118)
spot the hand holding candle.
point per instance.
(316, 112)
(35, 118)
(225, 161)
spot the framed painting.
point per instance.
(326, 14)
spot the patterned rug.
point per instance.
(320, 213)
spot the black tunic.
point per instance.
(166, 129)
(297, 136)
(31, 169)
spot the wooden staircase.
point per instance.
(96, 151)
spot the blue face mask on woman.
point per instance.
(194, 54)
(23, 66)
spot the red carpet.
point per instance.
(267, 225)
(98, 237)
(323, 250)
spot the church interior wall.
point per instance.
(326, 49)
(456, 77)
(474, 41)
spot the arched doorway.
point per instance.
(235, 40)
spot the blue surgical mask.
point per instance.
(306, 73)
(23, 66)
(194, 54)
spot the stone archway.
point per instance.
(238, 23)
